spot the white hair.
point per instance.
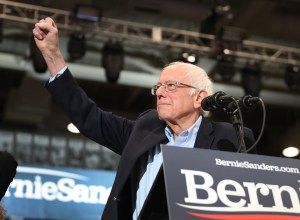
(197, 77)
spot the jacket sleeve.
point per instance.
(8, 169)
(100, 126)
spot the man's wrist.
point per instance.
(52, 78)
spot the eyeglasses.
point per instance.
(169, 86)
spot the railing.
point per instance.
(149, 35)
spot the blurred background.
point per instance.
(116, 50)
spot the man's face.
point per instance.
(174, 106)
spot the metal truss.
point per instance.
(150, 35)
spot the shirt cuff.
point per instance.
(58, 74)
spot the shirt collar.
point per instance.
(187, 133)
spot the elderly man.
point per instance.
(178, 120)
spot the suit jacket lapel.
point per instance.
(137, 147)
(204, 137)
(150, 141)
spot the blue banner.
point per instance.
(58, 193)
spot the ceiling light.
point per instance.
(292, 77)
(226, 67)
(77, 45)
(251, 78)
(222, 6)
(209, 25)
(72, 128)
(290, 152)
(189, 57)
(113, 60)
(87, 13)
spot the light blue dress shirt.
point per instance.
(186, 139)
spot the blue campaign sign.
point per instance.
(58, 193)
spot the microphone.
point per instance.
(216, 101)
(247, 102)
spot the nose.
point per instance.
(160, 90)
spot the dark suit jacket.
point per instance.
(8, 169)
(130, 139)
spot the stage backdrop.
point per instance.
(58, 193)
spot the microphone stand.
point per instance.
(237, 124)
(236, 119)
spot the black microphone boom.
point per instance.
(219, 100)
(248, 102)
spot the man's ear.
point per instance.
(199, 97)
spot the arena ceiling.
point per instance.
(26, 105)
